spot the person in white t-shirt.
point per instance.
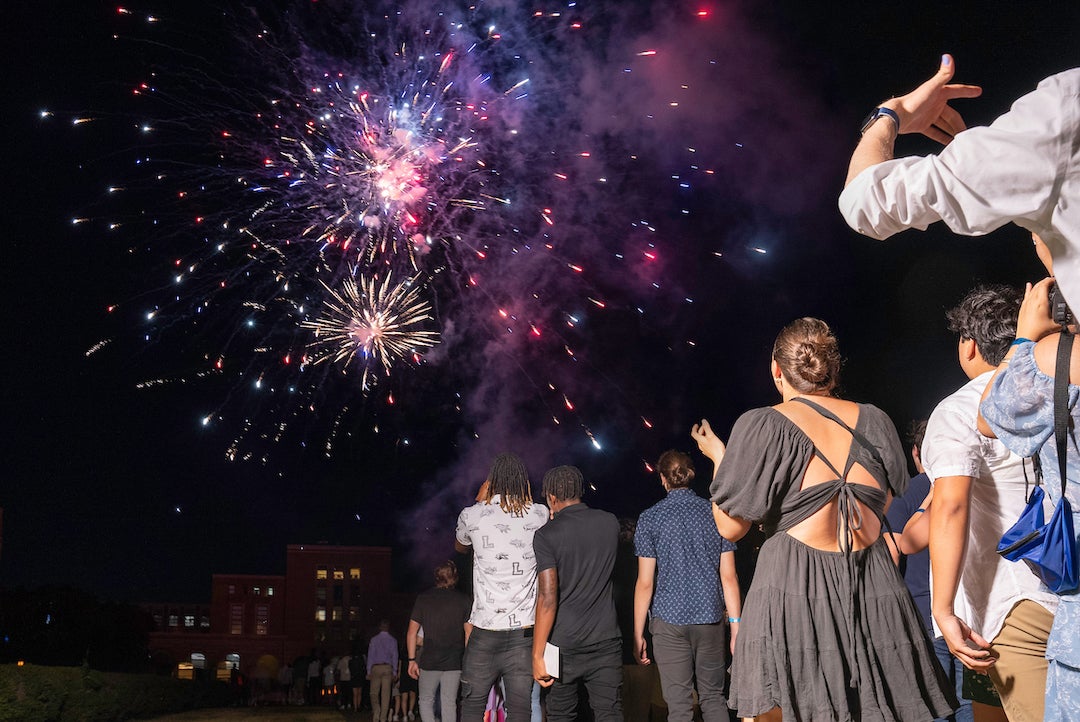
(991, 612)
(499, 530)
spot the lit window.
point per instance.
(320, 614)
(236, 619)
(338, 574)
(337, 614)
(262, 620)
(204, 622)
(174, 620)
(256, 591)
(189, 620)
(269, 591)
(185, 670)
(198, 660)
(354, 573)
(320, 573)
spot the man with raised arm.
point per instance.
(499, 530)
(1023, 168)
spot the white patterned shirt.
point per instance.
(504, 566)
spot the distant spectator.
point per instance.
(344, 681)
(443, 614)
(382, 666)
(314, 679)
(329, 676)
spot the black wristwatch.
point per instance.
(880, 112)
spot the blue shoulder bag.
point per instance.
(1049, 548)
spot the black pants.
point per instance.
(599, 667)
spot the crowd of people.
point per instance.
(830, 628)
(853, 613)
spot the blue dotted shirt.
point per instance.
(679, 532)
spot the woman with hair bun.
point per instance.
(829, 630)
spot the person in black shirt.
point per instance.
(443, 612)
(575, 558)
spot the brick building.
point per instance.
(330, 599)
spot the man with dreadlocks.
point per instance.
(499, 530)
(575, 609)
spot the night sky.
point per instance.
(123, 492)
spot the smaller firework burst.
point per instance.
(374, 322)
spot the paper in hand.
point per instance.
(551, 659)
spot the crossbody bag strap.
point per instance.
(1061, 401)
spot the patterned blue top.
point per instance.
(679, 532)
(1020, 410)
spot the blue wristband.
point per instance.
(1020, 340)
(734, 620)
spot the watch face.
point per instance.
(869, 120)
(874, 115)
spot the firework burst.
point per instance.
(371, 321)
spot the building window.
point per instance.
(232, 589)
(320, 573)
(262, 620)
(174, 620)
(198, 660)
(185, 670)
(320, 614)
(157, 621)
(269, 591)
(204, 622)
(236, 619)
(320, 594)
(354, 573)
(189, 621)
(338, 594)
(256, 591)
(338, 574)
(337, 614)
(354, 614)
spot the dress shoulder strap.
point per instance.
(859, 438)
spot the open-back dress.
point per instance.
(825, 635)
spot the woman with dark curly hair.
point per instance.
(829, 631)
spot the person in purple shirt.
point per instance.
(686, 579)
(382, 665)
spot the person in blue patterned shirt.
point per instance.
(686, 581)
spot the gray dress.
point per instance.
(824, 635)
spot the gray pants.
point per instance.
(683, 652)
(447, 680)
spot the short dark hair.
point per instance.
(916, 432)
(987, 315)
(564, 483)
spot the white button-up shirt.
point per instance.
(1023, 168)
(989, 585)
